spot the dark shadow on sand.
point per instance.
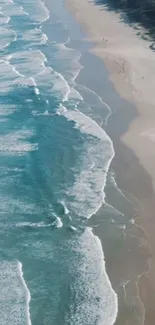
(138, 13)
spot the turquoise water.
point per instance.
(54, 158)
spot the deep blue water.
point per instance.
(53, 165)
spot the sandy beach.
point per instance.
(131, 66)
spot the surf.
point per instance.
(56, 160)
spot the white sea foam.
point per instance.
(33, 224)
(69, 61)
(85, 124)
(132, 221)
(72, 228)
(35, 36)
(66, 211)
(6, 110)
(99, 301)
(92, 299)
(4, 170)
(88, 188)
(62, 110)
(36, 10)
(57, 223)
(36, 91)
(17, 142)
(98, 102)
(6, 37)
(10, 9)
(15, 296)
(33, 83)
(8, 77)
(61, 86)
(45, 113)
(28, 63)
(4, 19)
(66, 53)
(17, 72)
(27, 294)
(75, 95)
(70, 66)
(53, 81)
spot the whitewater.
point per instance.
(55, 158)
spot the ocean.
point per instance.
(54, 160)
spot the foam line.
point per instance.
(27, 293)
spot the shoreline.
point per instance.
(133, 148)
(87, 60)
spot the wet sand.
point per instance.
(131, 266)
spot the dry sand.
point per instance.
(131, 64)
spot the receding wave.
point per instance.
(35, 36)
(92, 299)
(36, 10)
(88, 189)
